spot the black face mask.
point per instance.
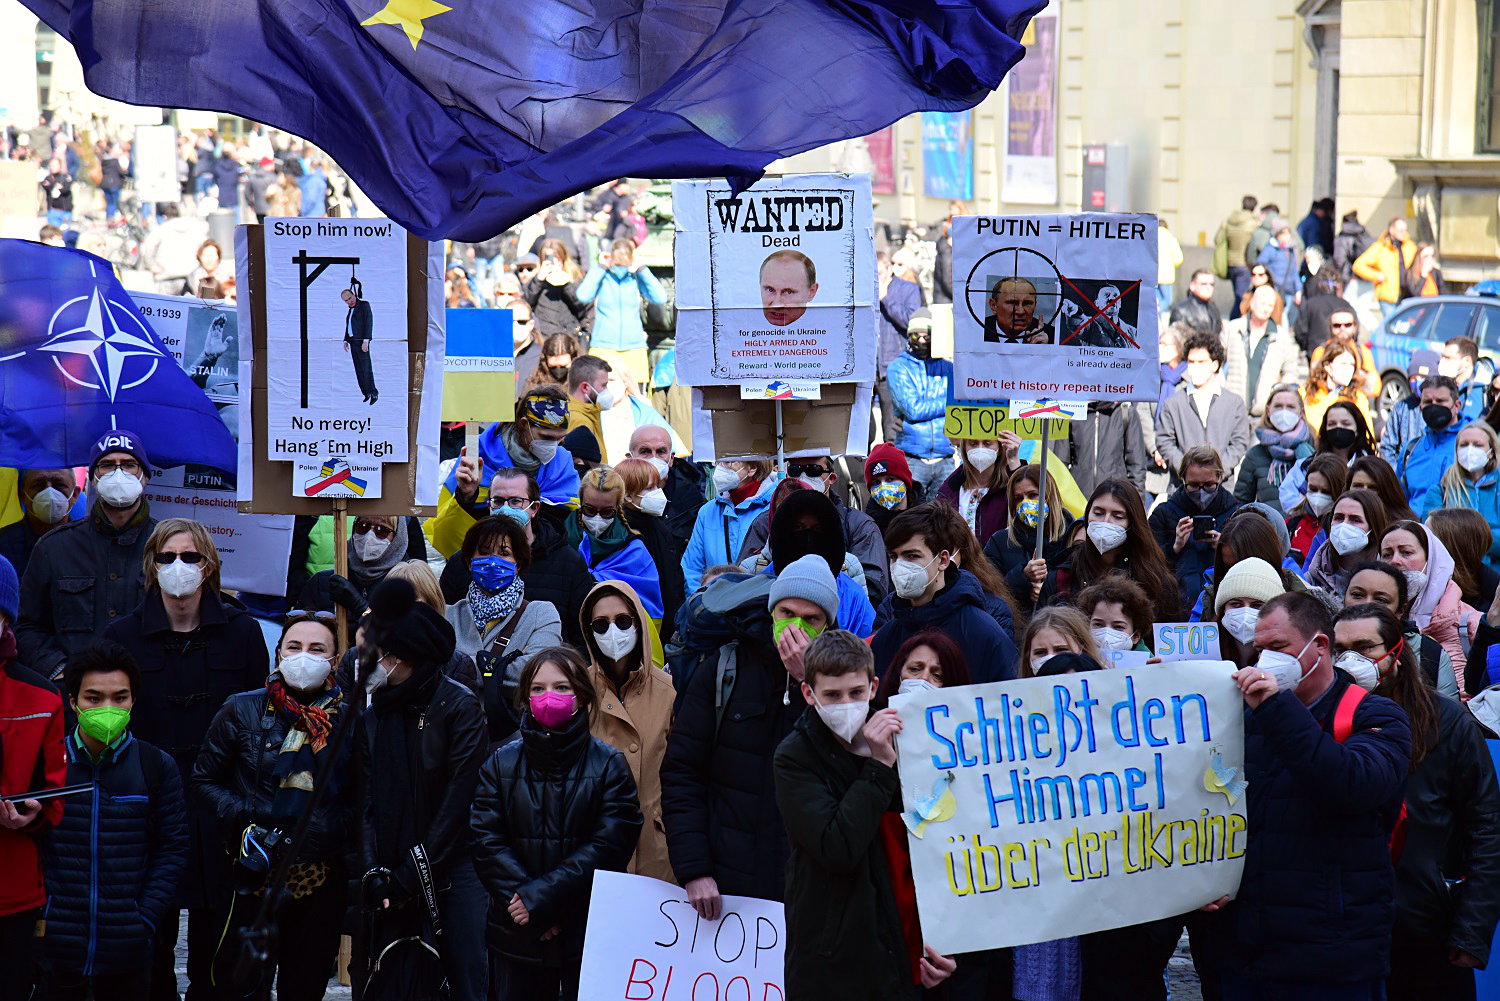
(920, 348)
(558, 372)
(1436, 416)
(1340, 438)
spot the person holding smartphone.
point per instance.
(1187, 524)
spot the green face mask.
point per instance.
(104, 723)
(780, 626)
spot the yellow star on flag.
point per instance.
(408, 14)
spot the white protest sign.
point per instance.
(203, 336)
(644, 937)
(1045, 808)
(1186, 640)
(336, 352)
(1118, 660)
(1062, 410)
(777, 282)
(1060, 306)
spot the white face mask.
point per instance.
(915, 686)
(544, 451)
(1106, 535)
(1346, 538)
(179, 579)
(606, 397)
(910, 579)
(654, 502)
(845, 719)
(1359, 667)
(616, 642)
(1284, 668)
(304, 671)
(1473, 458)
(1112, 639)
(370, 547)
(49, 505)
(725, 479)
(378, 678)
(1317, 502)
(982, 458)
(1415, 581)
(1240, 623)
(811, 483)
(118, 488)
(660, 466)
(1284, 420)
(597, 524)
(1037, 663)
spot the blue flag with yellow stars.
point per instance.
(460, 118)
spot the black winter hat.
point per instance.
(581, 444)
(401, 625)
(790, 543)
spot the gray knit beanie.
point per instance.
(809, 579)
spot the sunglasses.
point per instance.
(600, 625)
(381, 531)
(310, 613)
(804, 469)
(598, 512)
(165, 559)
(525, 267)
(1341, 326)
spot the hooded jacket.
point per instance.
(719, 532)
(1439, 610)
(860, 534)
(551, 808)
(960, 611)
(634, 719)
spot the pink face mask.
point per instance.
(553, 709)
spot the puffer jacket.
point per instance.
(997, 608)
(1382, 265)
(961, 612)
(719, 532)
(235, 778)
(1317, 898)
(1452, 833)
(616, 294)
(114, 860)
(717, 792)
(552, 807)
(635, 719)
(1453, 625)
(919, 390)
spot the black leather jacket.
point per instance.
(234, 777)
(553, 806)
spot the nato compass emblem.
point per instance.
(110, 338)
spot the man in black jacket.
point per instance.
(85, 574)
(681, 479)
(417, 757)
(724, 832)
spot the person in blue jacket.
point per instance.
(113, 862)
(741, 491)
(1473, 481)
(616, 290)
(899, 301)
(933, 592)
(919, 385)
(1326, 763)
(1424, 461)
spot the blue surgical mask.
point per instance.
(520, 515)
(492, 573)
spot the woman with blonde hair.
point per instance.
(1054, 630)
(645, 500)
(424, 582)
(1013, 548)
(610, 547)
(1283, 439)
(1471, 481)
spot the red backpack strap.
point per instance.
(1343, 714)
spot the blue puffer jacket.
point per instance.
(1424, 463)
(919, 389)
(616, 294)
(719, 531)
(1483, 497)
(961, 610)
(1317, 899)
(114, 860)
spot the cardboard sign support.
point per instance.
(1041, 532)
(341, 564)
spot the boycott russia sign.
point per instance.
(1045, 808)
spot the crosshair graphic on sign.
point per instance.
(1020, 291)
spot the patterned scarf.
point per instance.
(1283, 449)
(489, 610)
(305, 739)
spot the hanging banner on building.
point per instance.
(777, 282)
(643, 936)
(479, 371)
(1030, 175)
(1061, 306)
(882, 147)
(203, 337)
(1046, 808)
(336, 365)
(948, 154)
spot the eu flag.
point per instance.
(77, 359)
(461, 117)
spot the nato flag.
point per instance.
(77, 360)
(460, 118)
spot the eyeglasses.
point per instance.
(600, 625)
(381, 531)
(496, 503)
(806, 469)
(129, 465)
(165, 559)
(1341, 326)
(598, 512)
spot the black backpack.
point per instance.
(711, 623)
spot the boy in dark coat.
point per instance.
(835, 779)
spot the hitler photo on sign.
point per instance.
(1053, 306)
(336, 366)
(776, 282)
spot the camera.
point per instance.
(259, 846)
